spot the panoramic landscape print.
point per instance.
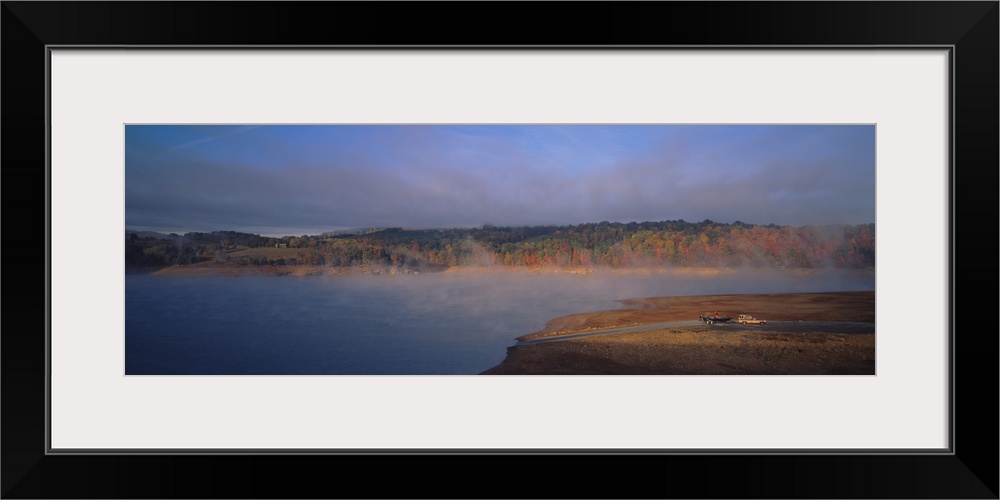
(499, 249)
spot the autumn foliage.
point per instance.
(604, 244)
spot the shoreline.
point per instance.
(211, 269)
(727, 349)
(855, 306)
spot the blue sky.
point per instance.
(308, 179)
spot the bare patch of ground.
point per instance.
(833, 306)
(704, 349)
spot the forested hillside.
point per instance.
(609, 244)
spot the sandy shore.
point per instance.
(706, 349)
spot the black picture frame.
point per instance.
(969, 28)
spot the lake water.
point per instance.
(429, 324)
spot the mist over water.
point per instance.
(429, 324)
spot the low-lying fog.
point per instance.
(425, 324)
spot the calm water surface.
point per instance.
(429, 324)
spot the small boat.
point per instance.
(714, 318)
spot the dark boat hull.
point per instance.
(714, 319)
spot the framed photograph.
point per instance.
(195, 167)
(423, 249)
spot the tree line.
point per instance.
(608, 244)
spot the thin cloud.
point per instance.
(216, 137)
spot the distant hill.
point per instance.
(603, 244)
(151, 235)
